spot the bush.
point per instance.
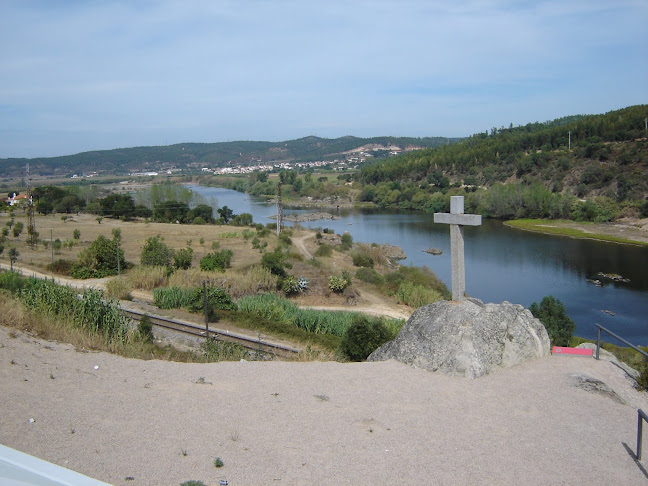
(76, 234)
(276, 262)
(285, 239)
(642, 381)
(553, 315)
(99, 260)
(346, 241)
(362, 260)
(417, 295)
(145, 328)
(292, 285)
(183, 258)
(218, 260)
(324, 250)
(60, 266)
(369, 275)
(337, 283)
(118, 288)
(362, 338)
(156, 253)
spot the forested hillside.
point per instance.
(196, 155)
(528, 170)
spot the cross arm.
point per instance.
(462, 219)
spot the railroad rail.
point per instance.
(257, 345)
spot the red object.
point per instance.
(574, 351)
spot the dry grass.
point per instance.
(134, 235)
(148, 278)
(118, 288)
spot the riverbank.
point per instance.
(626, 231)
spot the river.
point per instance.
(502, 263)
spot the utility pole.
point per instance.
(570, 140)
(646, 122)
(279, 209)
(31, 223)
(117, 246)
(52, 244)
(205, 309)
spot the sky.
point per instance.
(79, 75)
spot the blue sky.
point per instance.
(87, 75)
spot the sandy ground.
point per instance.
(315, 423)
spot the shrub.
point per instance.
(148, 278)
(60, 266)
(76, 234)
(369, 275)
(337, 283)
(285, 239)
(417, 295)
(324, 250)
(292, 285)
(183, 258)
(145, 328)
(118, 288)
(362, 260)
(418, 276)
(99, 260)
(276, 262)
(642, 381)
(214, 351)
(17, 229)
(218, 462)
(218, 260)
(553, 315)
(156, 253)
(362, 338)
(198, 220)
(346, 241)
(191, 277)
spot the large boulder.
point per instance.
(467, 338)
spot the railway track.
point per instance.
(257, 345)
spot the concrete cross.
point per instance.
(457, 220)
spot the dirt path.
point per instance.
(299, 243)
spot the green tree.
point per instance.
(553, 315)
(183, 258)
(276, 262)
(17, 229)
(218, 260)
(76, 234)
(13, 256)
(99, 260)
(156, 253)
(225, 214)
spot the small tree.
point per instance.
(553, 315)
(17, 229)
(346, 241)
(13, 256)
(76, 234)
(275, 262)
(182, 258)
(156, 253)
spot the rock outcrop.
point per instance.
(467, 338)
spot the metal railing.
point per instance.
(598, 340)
(641, 416)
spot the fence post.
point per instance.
(639, 433)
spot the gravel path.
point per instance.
(315, 423)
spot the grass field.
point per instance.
(573, 229)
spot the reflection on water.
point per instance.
(501, 263)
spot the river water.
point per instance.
(501, 263)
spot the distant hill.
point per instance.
(608, 157)
(197, 155)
